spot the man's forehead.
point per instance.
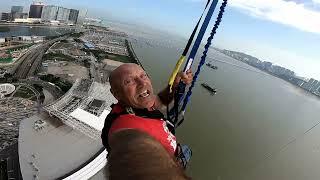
(127, 69)
(124, 71)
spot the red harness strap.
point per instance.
(156, 128)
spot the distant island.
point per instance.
(312, 85)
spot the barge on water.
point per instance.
(212, 66)
(213, 91)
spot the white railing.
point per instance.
(90, 169)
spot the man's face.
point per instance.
(133, 87)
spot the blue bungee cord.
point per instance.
(202, 62)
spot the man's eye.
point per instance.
(128, 81)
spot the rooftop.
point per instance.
(53, 151)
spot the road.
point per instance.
(95, 70)
(54, 90)
(28, 63)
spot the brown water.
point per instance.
(34, 31)
(255, 128)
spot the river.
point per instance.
(256, 127)
(34, 31)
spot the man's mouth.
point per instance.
(144, 94)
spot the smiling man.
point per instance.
(138, 108)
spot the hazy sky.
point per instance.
(286, 32)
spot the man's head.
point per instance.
(137, 155)
(131, 86)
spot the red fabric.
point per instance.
(155, 128)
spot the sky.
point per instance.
(285, 32)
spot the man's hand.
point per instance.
(165, 96)
(185, 77)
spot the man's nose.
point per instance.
(140, 81)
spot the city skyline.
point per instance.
(273, 32)
(39, 12)
(311, 85)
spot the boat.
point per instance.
(213, 91)
(212, 66)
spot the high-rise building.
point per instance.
(17, 12)
(63, 14)
(73, 16)
(23, 15)
(307, 86)
(318, 90)
(315, 85)
(82, 16)
(36, 10)
(266, 65)
(16, 9)
(5, 16)
(49, 13)
(19, 16)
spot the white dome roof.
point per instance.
(6, 89)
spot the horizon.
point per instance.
(276, 32)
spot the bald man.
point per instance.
(138, 107)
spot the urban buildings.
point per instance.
(36, 10)
(41, 13)
(16, 9)
(317, 90)
(5, 16)
(21, 16)
(73, 16)
(312, 86)
(16, 13)
(307, 85)
(61, 14)
(49, 13)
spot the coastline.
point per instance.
(132, 54)
(36, 25)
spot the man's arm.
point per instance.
(165, 97)
(136, 155)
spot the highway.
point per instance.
(95, 69)
(55, 91)
(28, 63)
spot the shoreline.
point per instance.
(273, 75)
(28, 24)
(133, 55)
(35, 25)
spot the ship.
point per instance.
(213, 91)
(212, 66)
